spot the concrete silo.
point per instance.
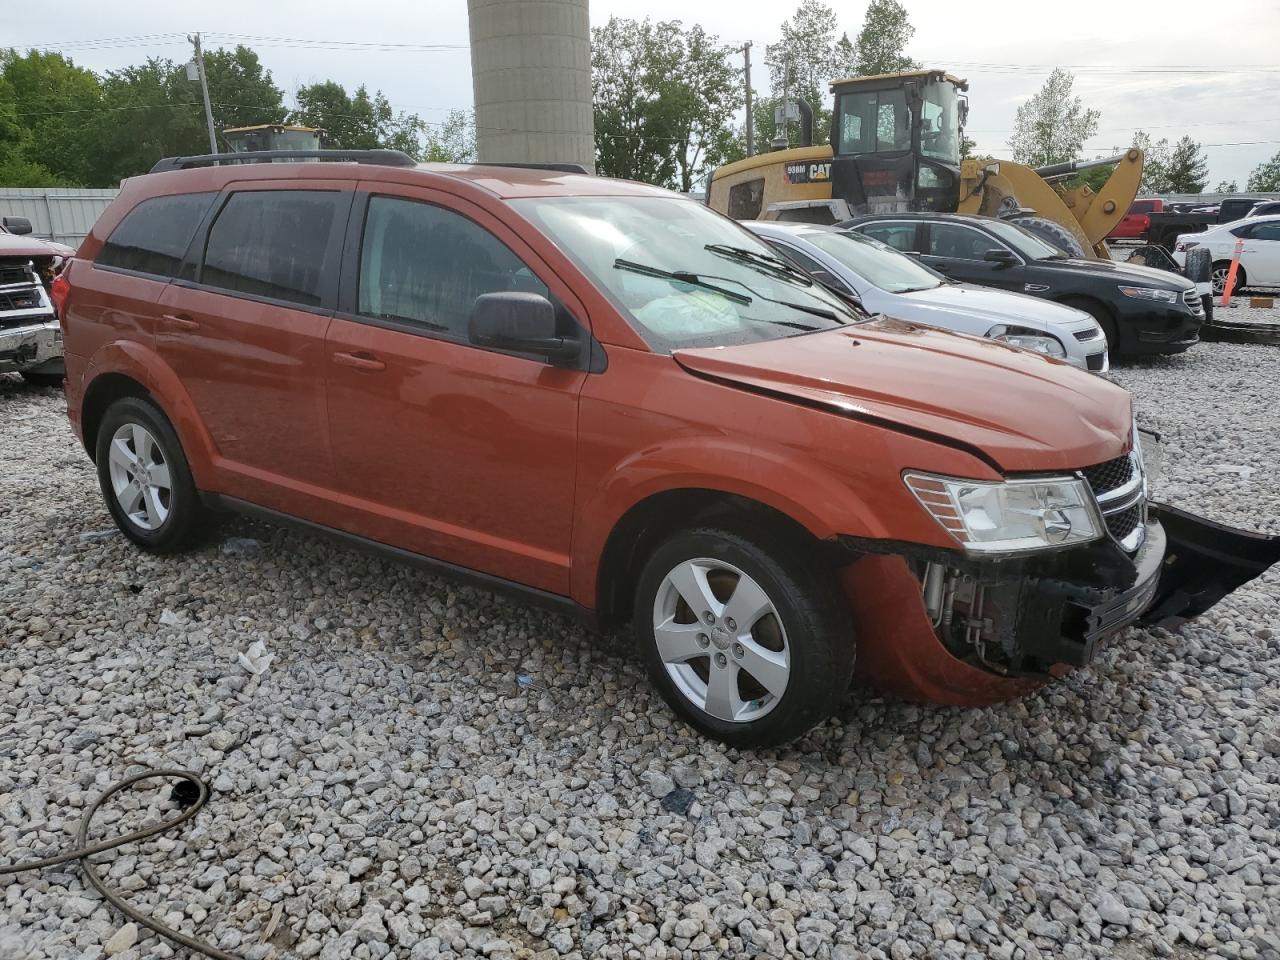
(531, 75)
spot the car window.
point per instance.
(746, 199)
(1266, 231)
(900, 236)
(426, 265)
(153, 237)
(874, 122)
(875, 262)
(957, 242)
(1142, 206)
(1243, 231)
(272, 243)
(807, 263)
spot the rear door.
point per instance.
(441, 447)
(1261, 255)
(244, 329)
(957, 250)
(902, 235)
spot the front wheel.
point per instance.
(144, 476)
(745, 635)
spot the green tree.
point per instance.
(357, 121)
(1266, 176)
(1155, 163)
(1225, 186)
(664, 96)
(882, 41)
(453, 140)
(1188, 169)
(53, 98)
(803, 62)
(1053, 125)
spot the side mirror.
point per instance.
(1002, 258)
(19, 226)
(521, 323)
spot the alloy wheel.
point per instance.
(721, 640)
(140, 477)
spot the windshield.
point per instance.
(1024, 241)
(940, 123)
(877, 263)
(685, 276)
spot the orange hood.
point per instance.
(1020, 410)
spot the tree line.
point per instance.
(667, 104)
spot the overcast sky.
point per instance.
(1167, 68)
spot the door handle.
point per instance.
(359, 361)
(172, 321)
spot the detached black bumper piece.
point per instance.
(1204, 562)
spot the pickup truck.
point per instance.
(1134, 224)
(30, 339)
(1165, 227)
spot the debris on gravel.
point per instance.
(429, 770)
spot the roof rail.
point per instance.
(561, 167)
(385, 158)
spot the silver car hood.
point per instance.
(994, 306)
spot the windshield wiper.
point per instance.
(680, 276)
(776, 265)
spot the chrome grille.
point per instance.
(1105, 477)
(16, 273)
(1117, 485)
(1193, 301)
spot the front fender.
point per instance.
(819, 500)
(143, 364)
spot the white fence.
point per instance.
(64, 214)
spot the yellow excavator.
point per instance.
(895, 147)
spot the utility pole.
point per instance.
(204, 91)
(751, 136)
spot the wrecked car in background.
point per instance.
(30, 339)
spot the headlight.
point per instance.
(1150, 293)
(1013, 516)
(1028, 340)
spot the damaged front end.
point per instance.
(946, 626)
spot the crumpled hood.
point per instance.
(1021, 410)
(27, 246)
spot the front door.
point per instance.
(245, 332)
(957, 251)
(1261, 255)
(441, 447)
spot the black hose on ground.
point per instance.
(83, 850)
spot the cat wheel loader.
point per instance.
(895, 146)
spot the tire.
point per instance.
(786, 668)
(1055, 233)
(157, 518)
(1105, 320)
(1199, 265)
(42, 379)
(1220, 270)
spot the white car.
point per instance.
(890, 282)
(1259, 260)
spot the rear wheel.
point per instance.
(745, 635)
(144, 476)
(1221, 270)
(42, 379)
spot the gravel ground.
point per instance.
(428, 770)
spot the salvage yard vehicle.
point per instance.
(1259, 258)
(1137, 221)
(30, 339)
(886, 281)
(1165, 227)
(620, 403)
(1142, 310)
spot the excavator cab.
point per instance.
(896, 141)
(272, 136)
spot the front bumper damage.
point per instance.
(935, 625)
(33, 347)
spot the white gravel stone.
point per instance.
(416, 742)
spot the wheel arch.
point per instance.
(104, 390)
(651, 520)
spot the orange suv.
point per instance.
(612, 399)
